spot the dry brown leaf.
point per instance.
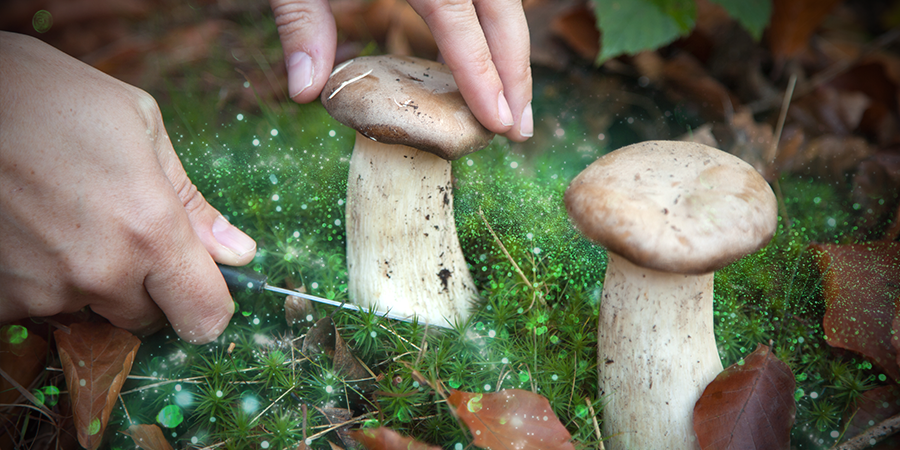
(831, 157)
(148, 437)
(96, 358)
(387, 439)
(687, 80)
(793, 22)
(577, 27)
(392, 23)
(324, 337)
(22, 356)
(861, 287)
(511, 418)
(876, 189)
(750, 405)
(871, 408)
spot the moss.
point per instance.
(280, 175)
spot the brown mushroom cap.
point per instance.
(673, 206)
(407, 101)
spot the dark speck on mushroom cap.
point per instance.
(404, 100)
(673, 206)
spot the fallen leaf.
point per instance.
(876, 189)
(793, 22)
(148, 437)
(831, 157)
(577, 27)
(687, 80)
(340, 418)
(511, 418)
(22, 356)
(750, 405)
(96, 358)
(387, 439)
(323, 337)
(861, 287)
(870, 409)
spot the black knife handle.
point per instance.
(243, 278)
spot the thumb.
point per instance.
(308, 35)
(185, 282)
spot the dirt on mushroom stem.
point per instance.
(403, 253)
(655, 336)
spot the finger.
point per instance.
(462, 43)
(506, 32)
(309, 37)
(183, 279)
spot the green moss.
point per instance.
(280, 175)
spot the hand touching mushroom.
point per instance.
(669, 214)
(402, 251)
(484, 42)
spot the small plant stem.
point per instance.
(337, 426)
(28, 395)
(772, 151)
(876, 433)
(596, 424)
(286, 392)
(122, 402)
(503, 248)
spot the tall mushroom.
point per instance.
(669, 214)
(403, 254)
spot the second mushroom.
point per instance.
(669, 214)
(403, 254)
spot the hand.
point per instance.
(484, 42)
(95, 207)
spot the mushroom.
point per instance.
(403, 254)
(669, 214)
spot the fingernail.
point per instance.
(232, 238)
(526, 127)
(300, 73)
(506, 117)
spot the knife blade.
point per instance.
(247, 279)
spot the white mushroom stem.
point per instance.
(402, 251)
(657, 353)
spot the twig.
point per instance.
(28, 395)
(596, 425)
(503, 248)
(291, 389)
(785, 104)
(772, 152)
(877, 433)
(122, 402)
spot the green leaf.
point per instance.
(631, 26)
(754, 15)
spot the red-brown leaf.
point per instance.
(511, 418)
(148, 437)
(387, 439)
(96, 359)
(22, 356)
(871, 408)
(861, 290)
(793, 22)
(750, 405)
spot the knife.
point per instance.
(247, 279)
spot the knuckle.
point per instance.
(147, 111)
(292, 18)
(191, 198)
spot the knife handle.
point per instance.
(243, 279)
